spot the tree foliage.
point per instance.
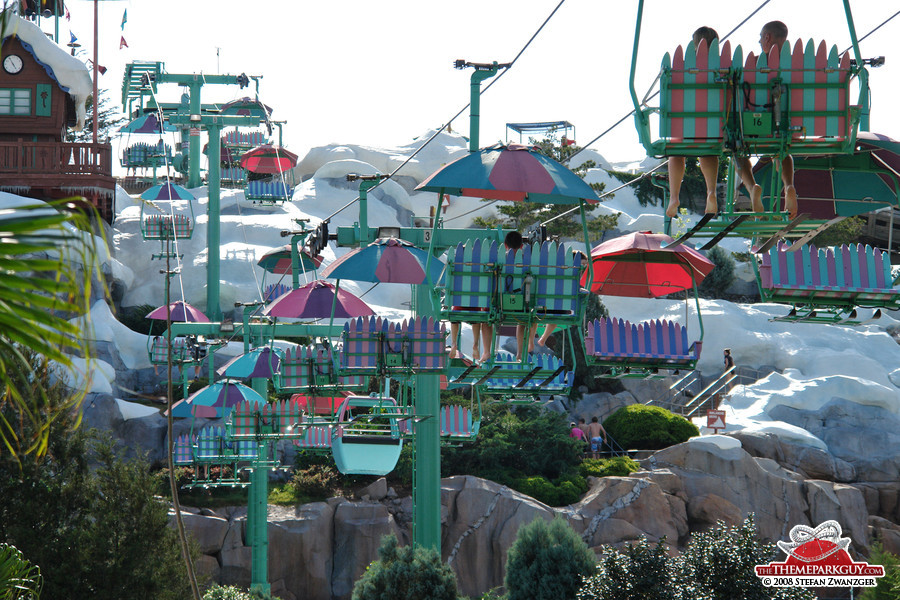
(643, 427)
(108, 122)
(888, 587)
(516, 449)
(842, 232)
(547, 562)
(522, 215)
(718, 564)
(408, 573)
(89, 518)
(722, 275)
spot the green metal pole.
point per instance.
(863, 74)
(213, 311)
(364, 187)
(475, 104)
(427, 440)
(194, 140)
(258, 511)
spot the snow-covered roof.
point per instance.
(71, 74)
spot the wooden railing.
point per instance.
(55, 158)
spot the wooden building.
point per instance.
(43, 91)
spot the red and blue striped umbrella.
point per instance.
(269, 159)
(315, 300)
(167, 191)
(514, 172)
(216, 400)
(278, 261)
(386, 260)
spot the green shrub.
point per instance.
(135, 319)
(617, 466)
(225, 592)
(648, 427)
(316, 481)
(409, 573)
(722, 275)
(547, 562)
(887, 587)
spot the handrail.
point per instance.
(709, 392)
(55, 158)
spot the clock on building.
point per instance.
(12, 64)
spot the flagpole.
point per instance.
(96, 101)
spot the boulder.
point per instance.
(639, 502)
(808, 461)
(882, 498)
(301, 549)
(358, 529)
(887, 533)
(839, 424)
(234, 558)
(376, 490)
(208, 531)
(842, 503)
(703, 512)
(711, 465)
(483, 519)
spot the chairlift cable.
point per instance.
(619, 122)
(612, 191)
(883, 23)
(461, 111)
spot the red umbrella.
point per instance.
(180, 311)
(319, 405)
(278, 261)
(316, 300)
(268, 159)
(637, 265)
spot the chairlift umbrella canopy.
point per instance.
(180, 311)
(845, 185)
(278, 261)
(315, 300)
(216, 400)
(386, 260)
(167, 191)
(637, 266)
(245, 107)
(261, 362)
(268, 159)
(148, 123)
(516, 173)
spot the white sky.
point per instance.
(379, 73)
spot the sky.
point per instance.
(380, 73)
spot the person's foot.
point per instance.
(454, 353)
(790, 201)
(756, 199)
(672, 210)
(484, 358)
(712, 204)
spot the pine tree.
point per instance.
(547, 561)
(408, 573)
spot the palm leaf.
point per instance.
(19, 579)
(47, 264)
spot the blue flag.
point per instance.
(124, 18)
(74, 39)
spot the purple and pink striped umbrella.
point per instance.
(179, 311)
(386, 260)
(316, 300)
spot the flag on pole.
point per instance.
(123, 43)
(74, 39)
(124, 18)
(68, 16)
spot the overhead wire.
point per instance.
(461, 111)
